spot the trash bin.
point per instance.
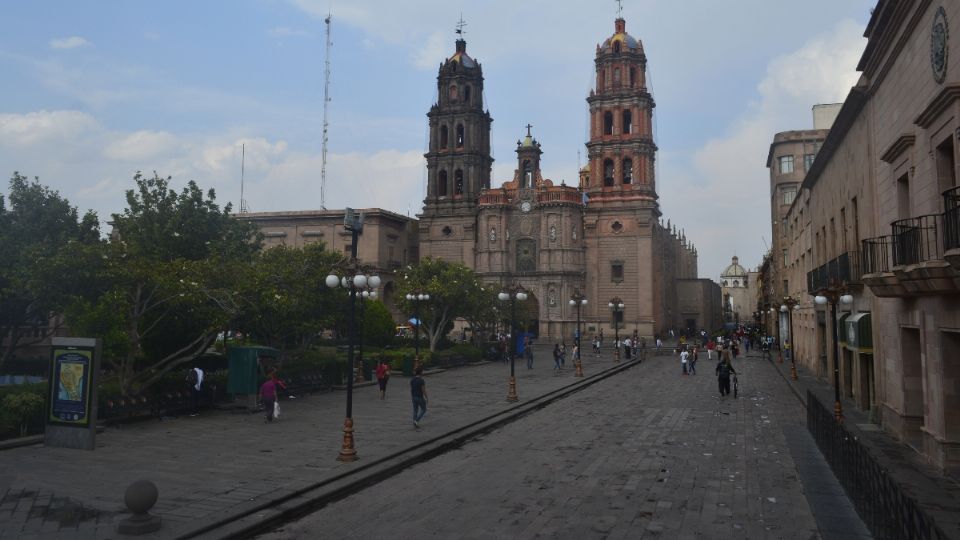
(408, 366)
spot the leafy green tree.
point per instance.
(452, 288)
(39, 233)
(284, 299)
(376, 323)
(168, 280)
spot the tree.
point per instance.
(167, 281)
(38, 276)
(452, 288)
(376, 325)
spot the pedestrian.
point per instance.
(596, 345)
(684, 356)
(563, 355)
(195, 380)
(418, 392)
(383, 376)
(627, 347)
(710, 348)
(600, 340)
(692, 364)
(724, 369)
(556, 358)
(528, 352)
(659, 345)
(268, 395)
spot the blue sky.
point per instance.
(98, 90)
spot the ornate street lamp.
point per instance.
(512, 294)
(834, 294)
(616, 306)
(417, 297)
(791, 304)
(368, 292)
(577, 300)
(776, 323)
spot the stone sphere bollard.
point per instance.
(140, 498)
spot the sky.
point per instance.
(96, 91)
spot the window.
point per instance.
(785, 259)
(442, 184)
(608, 172)
(458, 182)
(459, 135)
(789, 194)
(608, 123)
(466, 95)
(443, 137)
(786, 164)
(616, 271)
(616, 76)
(946, 166)
(903, 197)
(526, 181)
(633, 77)
(627, 121)
(808, 161)
(453, 92)
(627, 171)
(616, 47)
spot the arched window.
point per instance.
(526, 180)
(633, 77)
(627, 121)
(459, 135)
(466, 95)
(458, 182)
(608, 123)
(616, 76)
(616, 47)
(608, 172)
(602, 81)
(442, 184)
(736, 283)
(628, 171)
(453, 93)
(443, 137)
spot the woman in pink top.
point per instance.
(268, 394)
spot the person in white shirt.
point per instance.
(684, 356)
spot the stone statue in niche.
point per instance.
(553, 233)
(507, 234)
(574, 233)
(552, 297)
(493, 234)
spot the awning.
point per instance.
(858, 332)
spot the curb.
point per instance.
(266, 516)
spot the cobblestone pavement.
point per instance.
(220, 464)
(648, 453)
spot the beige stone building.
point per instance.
(877, 217)
(603, 239)
(737, 287)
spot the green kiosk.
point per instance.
(248, 367)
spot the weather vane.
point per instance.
(619, 8)
(460, 25)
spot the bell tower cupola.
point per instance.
(528, 161)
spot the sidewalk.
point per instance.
(938, 495)
(221, 467)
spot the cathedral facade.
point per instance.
(603, 239)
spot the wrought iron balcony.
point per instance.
(918, 239)
(843, 270)
(951, 219)
(876, 255)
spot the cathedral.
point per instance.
(604, 239)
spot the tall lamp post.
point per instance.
(368, 292)
(775, 320)
(577, 299)
(616, 307)
(417, 297)
(352, 222)
(834, 294)
(791, 304)
(512, 294)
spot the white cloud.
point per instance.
(432, 53)
(141, 146)
(44, 126)
(71, 42)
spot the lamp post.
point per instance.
(616, 307)
(417, 297)
(791, 304)
(577, 299)
(775, 320)
(368, 292)
(834, 294)
(352, 222)
(512, 294)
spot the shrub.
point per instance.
(21, 407)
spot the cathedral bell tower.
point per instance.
(621, 150)
(458, 160)
(528, 161)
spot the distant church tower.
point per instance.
(458, 160)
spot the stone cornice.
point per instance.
(899, 146)
(944, 99)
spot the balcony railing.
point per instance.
(844, 269)
(918, 239)
(951, 219)
(876, 255)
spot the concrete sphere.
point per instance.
(141, 496)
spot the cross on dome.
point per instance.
(460, 25)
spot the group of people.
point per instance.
(726, 351)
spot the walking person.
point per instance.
(627, 347)
(693, 361)
(383, 376)
(684, 357)
(418, 392)
(268, 395)
(563, 355)
(724, 370)
(528, 351)
(556, 358)
(195, 380)
(710, 347)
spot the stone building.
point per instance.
(878, 217)
(737, 287)
(603, 238)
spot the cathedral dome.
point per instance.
(461, 57)
(621, 36)
(734, 270)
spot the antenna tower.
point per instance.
(326, 102)
(243, 161)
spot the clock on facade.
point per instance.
(938, 45)
(525, 206)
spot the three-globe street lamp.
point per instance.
(791, 304)
(512, 294)
(417, 297)
(577, 299)
(834, 294)
(616, 306)
(369, 292)
(776, 323)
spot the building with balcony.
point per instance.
(876, 217)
